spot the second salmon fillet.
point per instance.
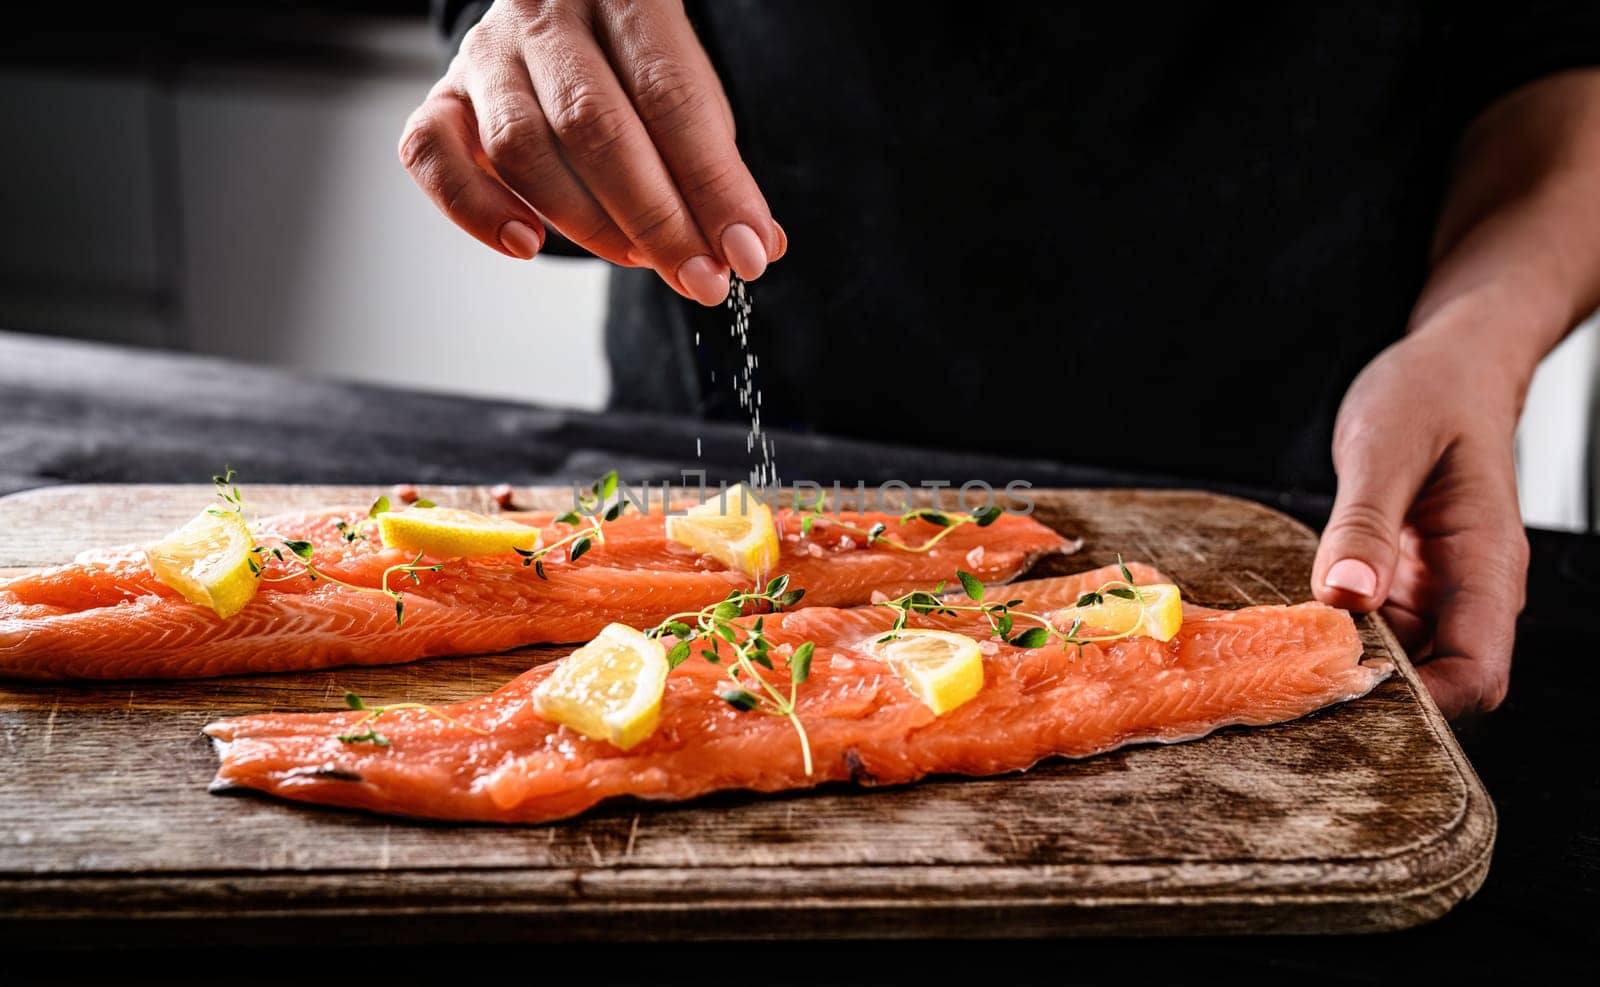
(495, 759)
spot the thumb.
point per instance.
(1356, 558)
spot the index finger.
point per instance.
(672, 84)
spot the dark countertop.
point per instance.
(74, 412)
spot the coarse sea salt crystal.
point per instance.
(846, 542)
(975, 557)
(989, 648)
(879, 596)
(814, 550)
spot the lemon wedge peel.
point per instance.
(610, 689)
(452, 533)
(941, 668)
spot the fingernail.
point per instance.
(783, 240)
(1352, 575)
(745, 251)
(704, 279)
(519, 238)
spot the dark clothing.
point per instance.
(1113, 234)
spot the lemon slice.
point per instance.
(208, 560)
(1158, 613)
(448, 533)
(735, 528)
(941, 668)
(610, 689)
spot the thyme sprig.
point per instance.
(301, 553)
(371, 734)
(876, 535)
(1003, 617)
(295, 551)
(749, 689)
(587, 525)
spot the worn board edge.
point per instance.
(1415, 885)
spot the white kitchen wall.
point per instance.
(307, 246)
(1557, 432)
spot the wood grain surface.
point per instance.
(1362, 817)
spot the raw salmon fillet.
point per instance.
(1254, 666)
(105, 616)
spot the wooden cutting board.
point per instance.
(1363, 817)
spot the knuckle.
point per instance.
(666, 94)
(656, 224)
(711, 181)
(421, 145)
(513, 140)
(1361, 520)
(1493, 691)
(588, 122)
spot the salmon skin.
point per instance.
(1254, 666)
(105, 616)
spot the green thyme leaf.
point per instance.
(1126, 575)
(303, 549)
(806, 523)
(725, 610)
(986, 516)
(379, 506)
(711, 655)
(777, 586)
(569, 517)
(578, 548)
(354, 701)
(1089, 599)
(678, 655)
(1033, 637)
(425, 504)
(1002, 624)
(740, 700)
(790, 598)
(399, 612)
(615, 510)
(972, 584)
(1122, 593)
(875, 532)
(800, 663)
